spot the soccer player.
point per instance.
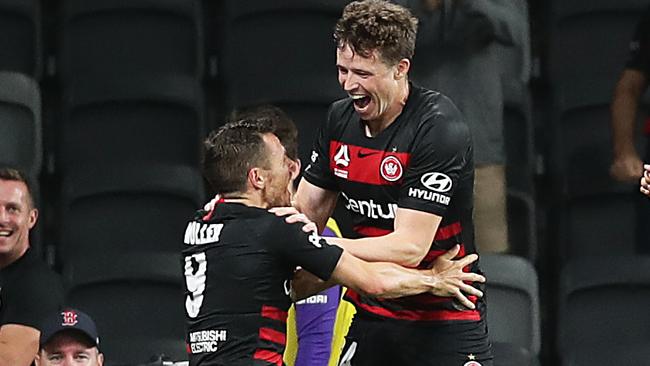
(239, 258)
(401, 157)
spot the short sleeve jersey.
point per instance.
(238, 261)
(422, 161)
(29, 291)
(640, 45)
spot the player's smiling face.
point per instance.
(373, 85)
(17, 217)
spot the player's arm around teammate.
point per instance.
(389, 280)
(406, 245)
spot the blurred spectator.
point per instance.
(29, 290)
(627, 165)
(69, 338)
(456, 57)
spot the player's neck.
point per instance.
(374, 127)
(251, 200)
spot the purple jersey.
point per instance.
(315, 318)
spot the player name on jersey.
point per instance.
(198, 233)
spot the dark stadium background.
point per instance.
(105, 102)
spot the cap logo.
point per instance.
(69, 318)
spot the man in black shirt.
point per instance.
(239, 258)
(29, 290)
(401, 158)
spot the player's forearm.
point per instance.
(389, 280)
(623, 110)
(387, 248)
(305, 284)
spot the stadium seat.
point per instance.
(519, 138)
(522, 224)
(603, 303)
(105, 38)
(136, 120)
(629, 354)
(123, 209)
(21, 48)
(512, 295)
(20, 123)
(593, 213)
(135, 298)
(292, 59)
(593, 35)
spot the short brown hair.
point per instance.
(16, 175)
(231, 151)
(379, 25)
(283, 126)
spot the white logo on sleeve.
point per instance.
(436, 182)
(342, 161)
(314, 156)
(342, 156)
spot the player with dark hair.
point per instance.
(239, 258)
(401, 157)
(29, 290)
(314, 318)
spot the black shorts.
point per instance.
(377, 342)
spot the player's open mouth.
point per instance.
(360, 101)
(5, 233)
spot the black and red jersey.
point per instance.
(422, 161)
(238, 261)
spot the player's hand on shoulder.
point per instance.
(292, 216)
(210, 205)
(450, 279)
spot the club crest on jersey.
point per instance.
(342, 161)
(391, 168)
(472, 363)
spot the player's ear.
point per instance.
(402, 68)
(256, 178)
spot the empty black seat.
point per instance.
(20, 123)
(105, 38)
(21, 48)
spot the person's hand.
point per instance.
(449, 279)
(645, 180)
(293, 216)
(627, 167)
(210, 205)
